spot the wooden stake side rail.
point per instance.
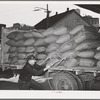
(82, 69)
(6, 66)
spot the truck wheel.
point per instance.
(64, 81)
(78, 80)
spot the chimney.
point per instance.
(67, 9)
(78, 11)
(56, 13)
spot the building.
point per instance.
(69, 18)
(92, 21)
(1, 25)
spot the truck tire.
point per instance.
(64, 81)
(78, 80)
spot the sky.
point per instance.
(23, 12)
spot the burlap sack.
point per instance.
(37, 34)
(40, 49)
(22, 55)
(28, 35)
(13, 54)
(98, 64)
(97, 56)
(29, 42)
(20, 43)
(60, 30)
(30, 49)
(12, 35)
(20, 36)
(12, 49)
(39, 42)
(76, 29)
(21, 61)
(41, 56)
(21, 49)
(87, 62)
(66, 47)
(11, 43)
(81, 36)
(52, 47)
(86, 54)
(71, 63)
(87, 45)
(50, 39)
(48, 32)
(98, 48)
(63, 38)
(13, 60)
(69, 54)
(41, 30)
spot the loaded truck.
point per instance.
(71, 70)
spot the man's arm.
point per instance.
(36, 72)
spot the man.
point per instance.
(31, 69)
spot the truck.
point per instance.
(63, 78)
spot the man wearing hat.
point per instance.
(31, 69)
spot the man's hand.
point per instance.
(47, 67)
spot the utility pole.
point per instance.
(47, 11)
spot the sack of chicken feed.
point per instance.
(81, 36)
(30, 49)
(63, 38)
(86, 54)
(60, 30)
(13, 60)
(85, 62)
(20, 36)
(21, 61)
(48, 32)
(21, 49)
(97, 56)
(50, 39)
(87, 45)
(41, 30)
(52, 47)
(71, 63)
(28, 35)
(69, 54)
(98, 64)
(76, 29)
(98, 48)
(11, 42)
(40, 49)
(22, 55)
(13, 54)
(29, 42)
(12, 35)
(41, 56)
(39, 42)
(12, 49)
(20, 43)
(66, 47)
(37, 34)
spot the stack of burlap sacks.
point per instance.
(97, 56)
(22, 44)
(77, 46)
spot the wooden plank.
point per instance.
(82, 69)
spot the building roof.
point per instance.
(52, 20)
(56, 18)
(93, 7)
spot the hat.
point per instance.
(29, 57)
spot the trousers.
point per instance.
(32, 84)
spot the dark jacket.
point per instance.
(28, 71)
